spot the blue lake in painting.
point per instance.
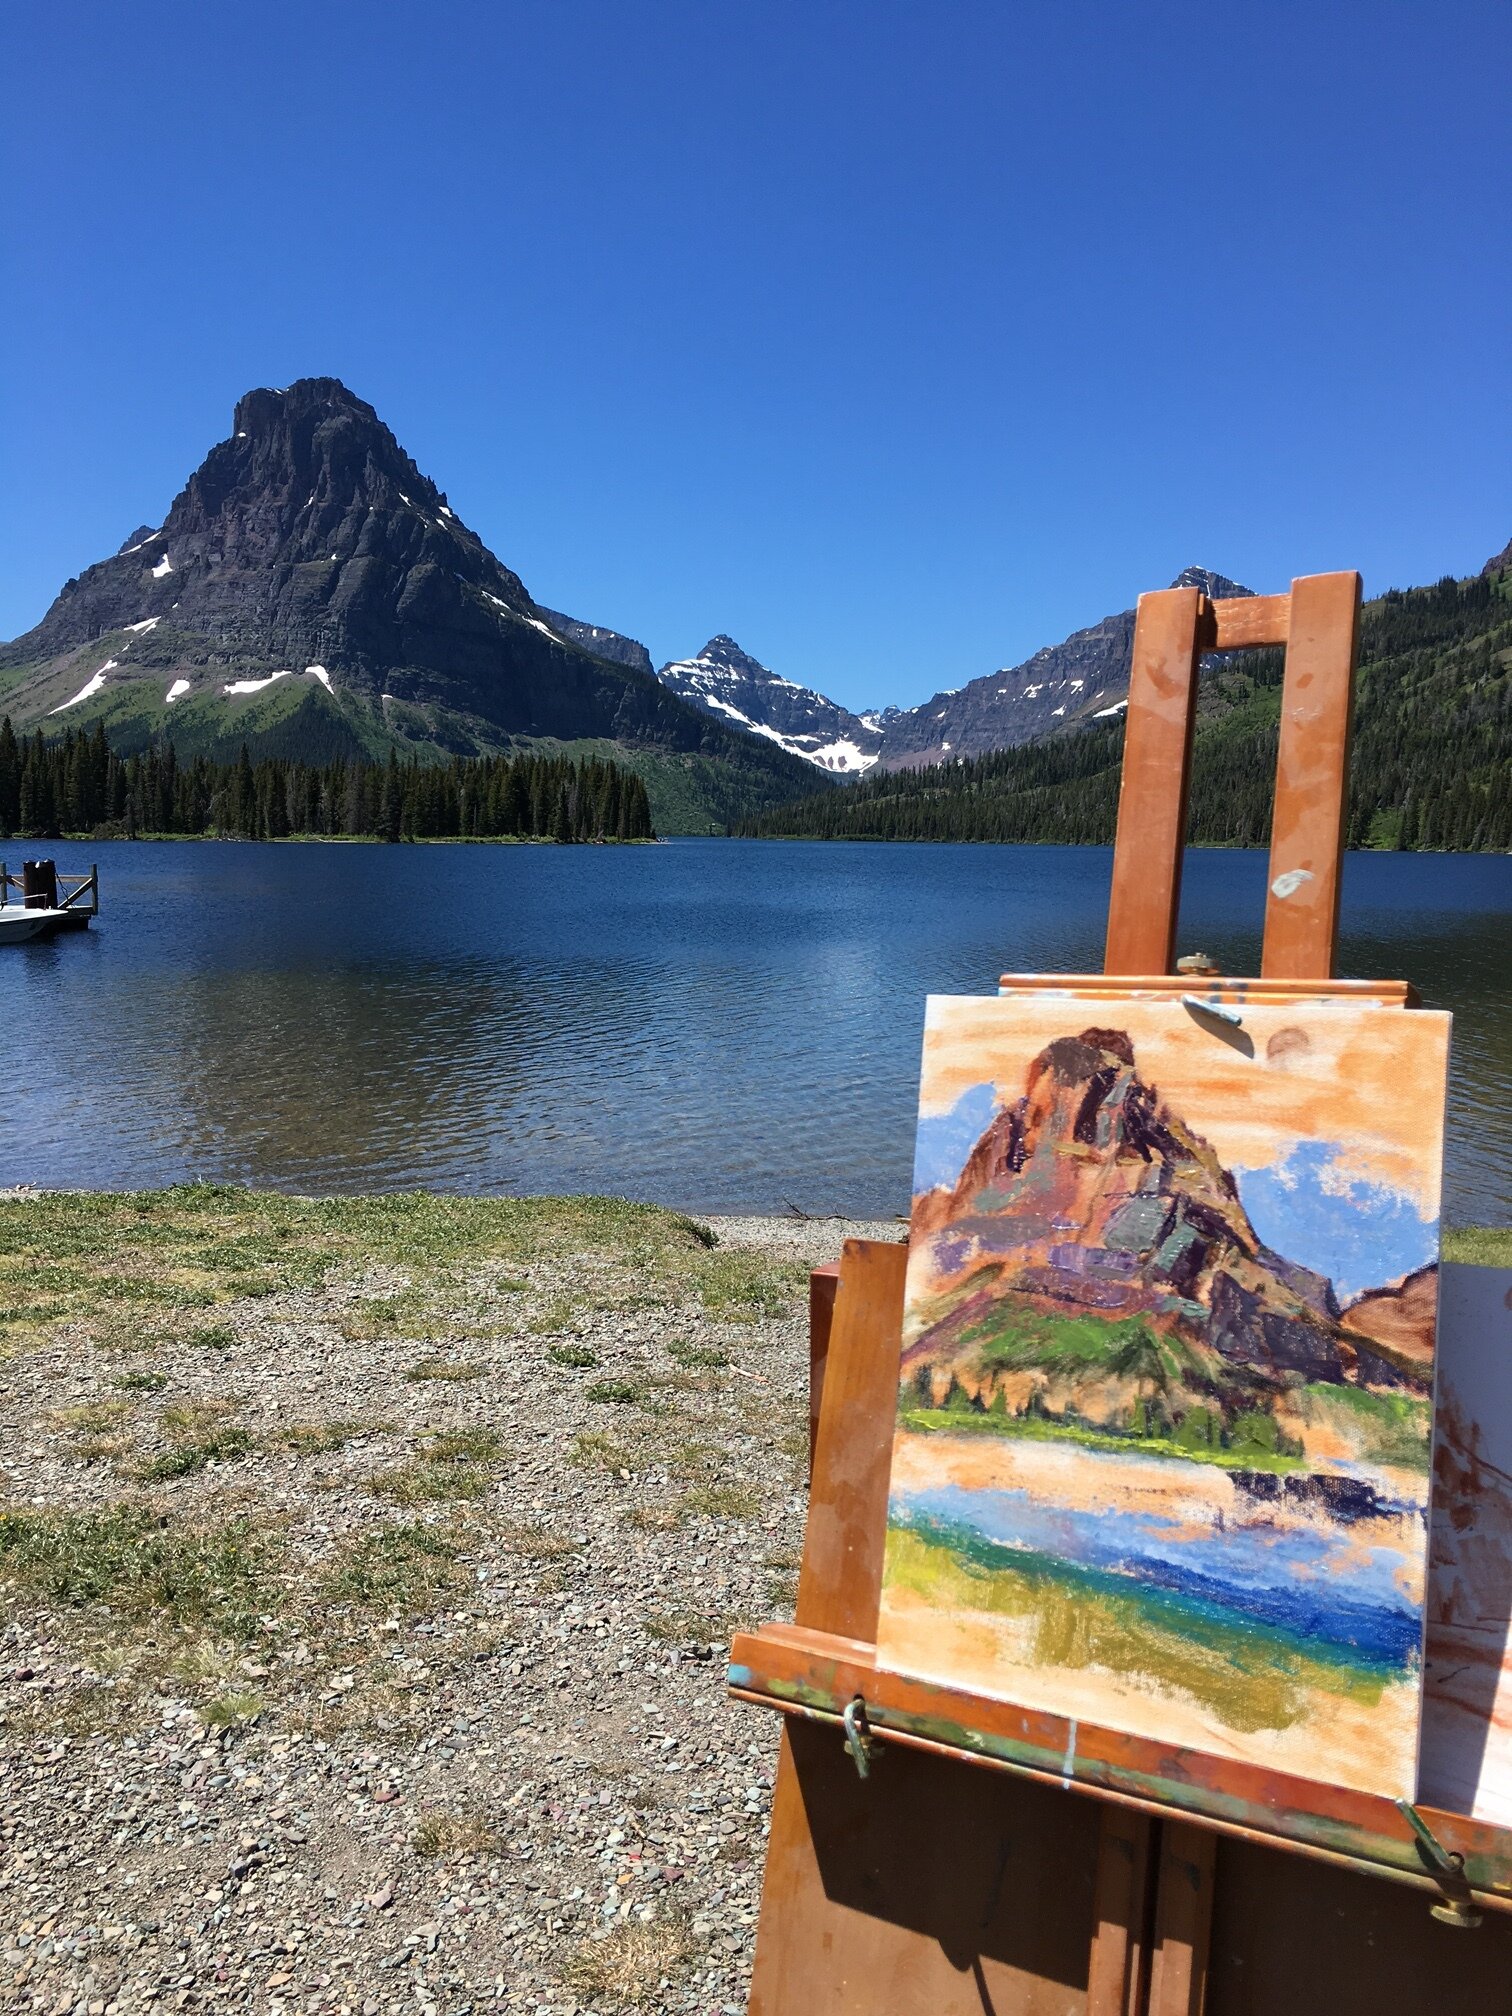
(720, 1025)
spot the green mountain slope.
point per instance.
(1431, 765)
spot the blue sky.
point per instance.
(895, 341)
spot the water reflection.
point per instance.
(717, 1025)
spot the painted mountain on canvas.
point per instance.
(1165, 1385)
(312, 594)
(1089, 1197)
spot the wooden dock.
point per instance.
(49, 902)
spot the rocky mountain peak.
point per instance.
(733, 686)
(1216, 587)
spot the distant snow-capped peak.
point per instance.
(739, 690)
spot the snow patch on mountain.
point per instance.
(734, 687)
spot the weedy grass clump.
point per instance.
(319, 1438)
(133, 1559)
(448, 1836)
(594, 1451)
(722, 1501)
(616, 1392)
(538, 1543)
(697, 1357)
(212, 1337)
(441, 1369)
(140, 1382)
(452, 1465)
(199, 1433)
(96, 1431)
(632, 1963)
(408, 1569)
(577, 1356)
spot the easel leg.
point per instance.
(1183, 1920)
(1120, 1964)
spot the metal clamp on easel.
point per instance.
(1448, 1871)
(859, 1740)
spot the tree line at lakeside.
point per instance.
(1430, 765)
(79, 785)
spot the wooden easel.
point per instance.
(991, 1861)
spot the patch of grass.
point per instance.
(140, 1382)
(235, 1710)
(723, 1501)
(453, 1464)
(133, 1560)
(212, 1337)
(188, 1458)
(687, 1627)
(442, 1369)
(538, 1543)
(464, 1445)
(697, 1357)
(319, 1438)
(1479, 1245)
(445, 1836)
(96, 1430)
(577, 1356)
(406, 1568)
(199, 1434)
(694, 1462)
(658, 1518)
(600, 1452)
(103, 1256)
(424, 1483)
(617, 1392)
(560, 1313)
(740, 1285)
(631, 1963)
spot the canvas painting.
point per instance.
(1166, 1392)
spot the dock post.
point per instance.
(39, 885)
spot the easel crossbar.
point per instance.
(816, 1675)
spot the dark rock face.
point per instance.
(1060, 686)
(600, 643)
(1500, 563)
(728, 683)
(309, 544)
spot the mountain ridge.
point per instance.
(312, 592)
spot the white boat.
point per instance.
(17, 923)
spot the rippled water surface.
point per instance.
(720, 1025)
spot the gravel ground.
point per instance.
(363, 1641)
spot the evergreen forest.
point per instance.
(79, 785)
(1430, 766)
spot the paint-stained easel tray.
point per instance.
(818, 1676)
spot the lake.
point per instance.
(719, 1025)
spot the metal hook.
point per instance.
(1456, 1907)
(858, 1737)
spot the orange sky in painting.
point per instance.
(1369, 1079)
